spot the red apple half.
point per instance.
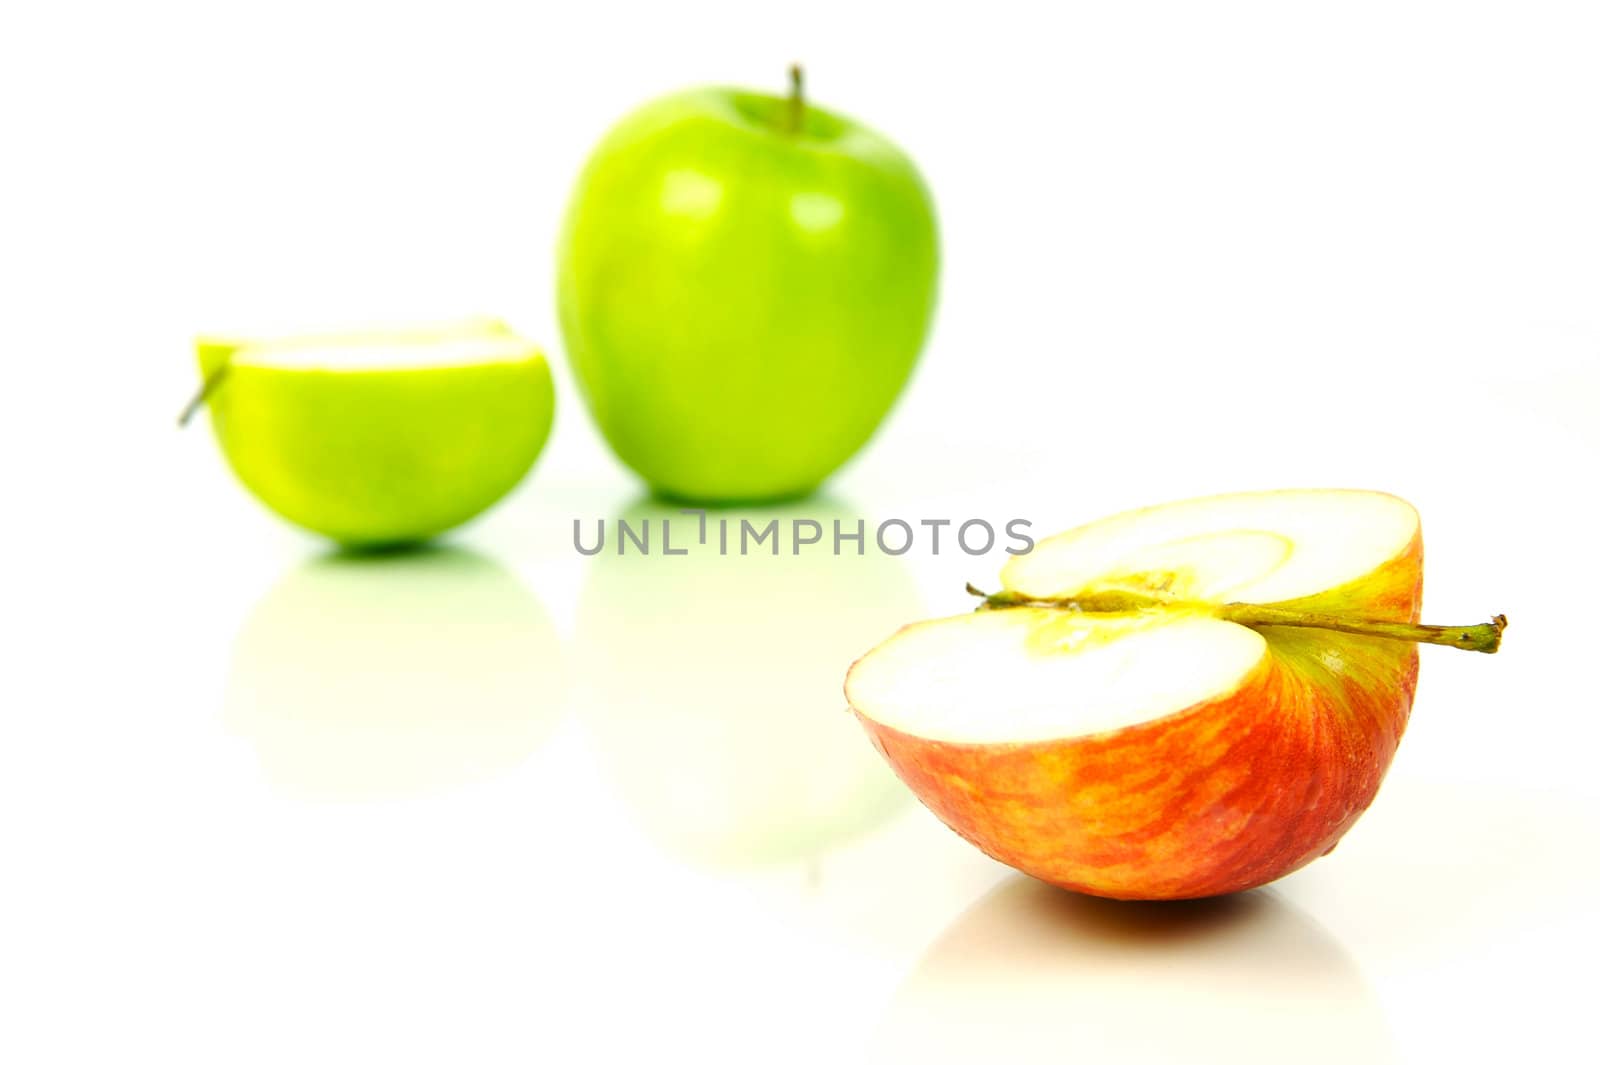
(1118, 731)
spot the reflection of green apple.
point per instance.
(745, 283)
(361, 676)
(708, 680)
(380, 438)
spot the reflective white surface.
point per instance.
(399, 674)
(502, 802)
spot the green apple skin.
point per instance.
(380, 458)
(741, 303)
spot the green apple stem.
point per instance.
(1484, 638)
(208, 387)
(797, 99)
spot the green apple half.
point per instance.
(745, 284)
(380, 438)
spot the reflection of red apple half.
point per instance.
(1175, 702)
(1233, 980)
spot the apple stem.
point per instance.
(208, 388)
(797, 98)
(1484, 638)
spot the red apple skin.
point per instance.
(1220, 797)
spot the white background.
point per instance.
(1188, 248)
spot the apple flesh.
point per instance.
(1108, 726)
(745, 284)
(382, 438)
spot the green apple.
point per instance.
(745, 284)
(380, 438)
(359, 677)
(702, 675)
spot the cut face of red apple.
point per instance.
(1112, 731)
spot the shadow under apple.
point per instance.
(1031, 968)
(713, 683)
(390, 674)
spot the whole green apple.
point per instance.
(382, 438)
(745, 284)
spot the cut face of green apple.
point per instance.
(1179, 701)
(383, 437)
